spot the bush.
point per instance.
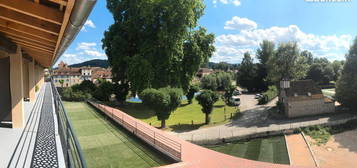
(269, 95)
(68, 94)
(319, 133)
(104, 91)
(217, 81)
(36, 88)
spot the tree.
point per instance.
(308, 56)
(228, 94)
(264, 54)
(156, 43)
(247, 73)
(163, 101)
(61, 81)
(316, 73)
(104, 91)
(287, 63)
(337, 68)
(346, 90)
(217, 81)
(85, 86)
(191, 93)
(207, 99)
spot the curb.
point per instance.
(287, 147)
(312, 153)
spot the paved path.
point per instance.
(255, 120)
(299, 152)
(192, 156)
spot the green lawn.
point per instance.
(328, 92)
(182, 118)
(272, 149)
(107, 145)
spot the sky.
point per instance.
(327, 29)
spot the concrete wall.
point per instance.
(5, 96)
(309, 107)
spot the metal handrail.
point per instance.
(73, 155)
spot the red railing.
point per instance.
(154, 138)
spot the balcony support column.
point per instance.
(16, 88)
(32, 82)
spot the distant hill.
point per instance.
(93, 63)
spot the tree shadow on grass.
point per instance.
(218, 106)
(184, 105)
(137, 110)
(185, 127)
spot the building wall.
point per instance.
(68, 80)
(309, 107)
(5, 96)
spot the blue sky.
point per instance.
(324, 28)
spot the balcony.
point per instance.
(47, 140)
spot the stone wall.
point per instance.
(309, 107)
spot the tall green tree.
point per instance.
(264, 54)
(163, 101)
(337, 68)
(154, 44)
(287, 63)
(346, 90)
(207, 99)
(247, 73)
(191, 92)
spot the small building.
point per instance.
(203, 72)
(304, 98)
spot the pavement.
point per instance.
(255, 120)
(299, 152)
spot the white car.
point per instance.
(258, 96)
(235, 100)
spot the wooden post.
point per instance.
(16, 88)
(32, 80)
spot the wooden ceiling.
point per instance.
(36, 25)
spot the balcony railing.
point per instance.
(73, 155)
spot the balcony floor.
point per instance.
(38, 144)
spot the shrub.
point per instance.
(68, 94)
(36, 88)
(269, 95)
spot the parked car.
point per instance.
(236, 93)
(258, 96)
(234, 100)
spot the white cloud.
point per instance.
(226, 2)
(230, 46)
(94, 53)
(86, 46)
(238, 23)
(88, 23)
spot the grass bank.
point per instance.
(106, 144)
(270, 149)
(186, 117)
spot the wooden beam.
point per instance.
(67, 14)
(34, 9)
(60, 2)
(29, 21)
(34, 47)
(39, 56)
(26, 36)
(30, 41)
(31, 44)
(28, 30)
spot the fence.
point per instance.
(71, 149)
(151, 136)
